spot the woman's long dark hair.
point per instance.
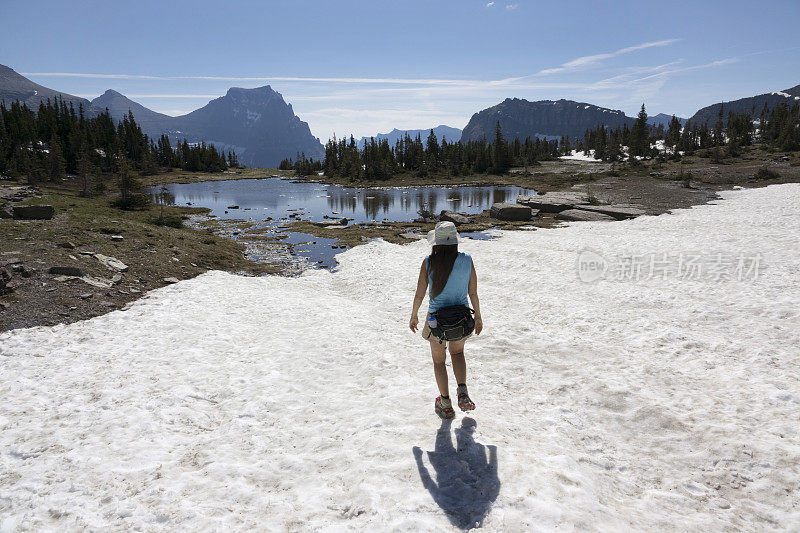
(440, 264)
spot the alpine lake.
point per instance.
(259, 212)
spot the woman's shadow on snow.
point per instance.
(466, 482)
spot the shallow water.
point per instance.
(269, 202)
(259, 199)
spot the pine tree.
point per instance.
(640, 144)
(55, 160)
(131, 194)
(501, 163)
(84, 172)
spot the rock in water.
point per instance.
(33, 212)
(331, 223)
(507, 211)
(581, 215)
(455, 218)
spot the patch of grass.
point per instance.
(171, 221)
(181, 176)
(765, 173)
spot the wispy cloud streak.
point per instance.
(587, 61)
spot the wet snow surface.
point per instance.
(276, 403)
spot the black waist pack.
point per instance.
(453, 323)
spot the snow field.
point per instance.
(226, 402)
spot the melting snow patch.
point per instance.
(579, 156)
(271, 403)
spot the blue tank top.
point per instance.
(457, 287)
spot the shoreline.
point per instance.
(155, 253)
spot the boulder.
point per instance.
(619, 212)
(508, 211)
(101, 283)
(10, 261)
(23, 270)
(554, 202)
(583, 215)
(455, 218)
(171, 280)
(5, 277)
(331, 223)
(33, 212)
(66, 271)
(6, 212)
(412, 236)
(111, 263)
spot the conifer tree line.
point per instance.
(778, 129)
(378, 160)
(58, 139)
(301, 164)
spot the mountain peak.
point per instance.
(241, 91)
(111, 93)
(16, 87)
(520, 118)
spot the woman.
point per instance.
(451, 277)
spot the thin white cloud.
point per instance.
(490, 4)
(718, 63)
(400, 81)
(512, 6)
(363, 105)
(587, 61)
(158, 95)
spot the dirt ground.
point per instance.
(80, 225)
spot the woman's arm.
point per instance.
(422, 286)
(473, 296)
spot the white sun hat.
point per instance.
(445, 233)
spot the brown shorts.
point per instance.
(428, 336)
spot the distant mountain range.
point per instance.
(544, 118)
(257, 123)
(446, 132)
(662, 119)
(263, 129)
(752, 104)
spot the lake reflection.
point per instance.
(276, 198)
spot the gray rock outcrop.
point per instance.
(511, 212)
(554, 202)
(455, 218)
(582, 215)
(619, 212)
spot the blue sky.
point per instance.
(364, 67)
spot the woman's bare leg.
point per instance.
(459, 364)
(439, 353)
